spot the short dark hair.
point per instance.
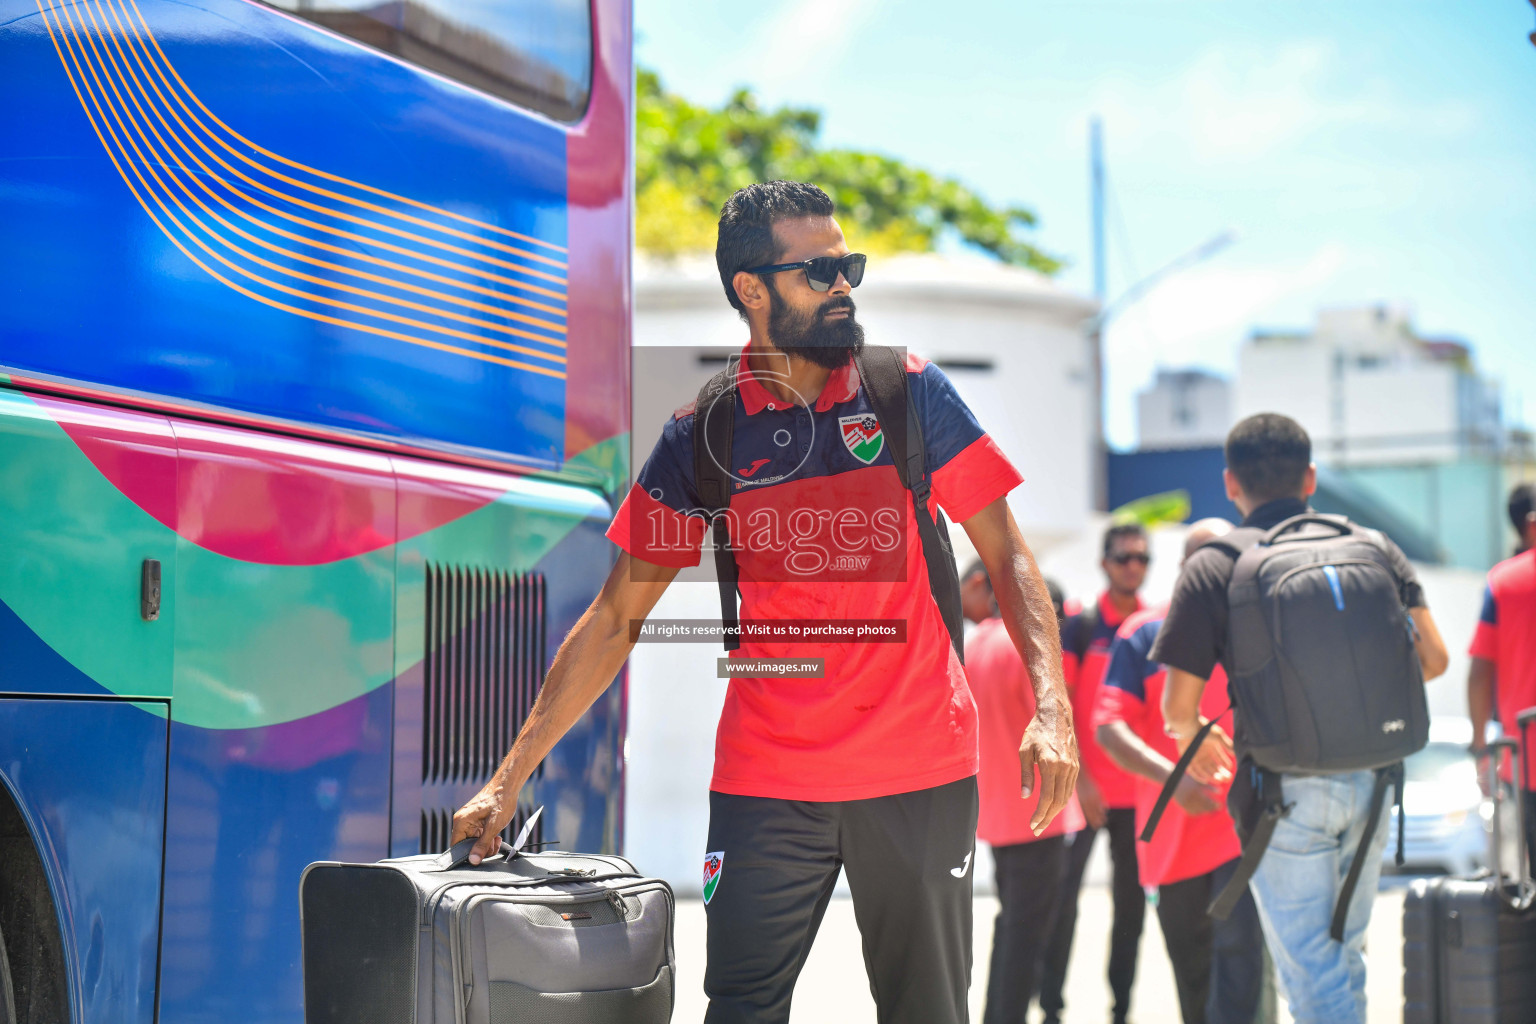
(1269, 454)
(746, 226)
(1119, 530)
(976, 566)
(1058, 598)
(1522, 502)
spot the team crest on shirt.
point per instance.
(714, 863)
(862, 436)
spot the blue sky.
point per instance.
(1366, 151)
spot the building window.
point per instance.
(535, 53)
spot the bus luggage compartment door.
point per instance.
(82, 829)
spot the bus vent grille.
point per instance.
(437, 829)
(485, 659)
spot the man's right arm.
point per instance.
(583, 668)
(1481, 680)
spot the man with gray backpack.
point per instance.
(1322, 628)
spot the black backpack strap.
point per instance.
(714, 422)
(1272, 808)
(1392, 775)
(883, 373)
(1083, 625)
(1176, 776)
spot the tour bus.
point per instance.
(314, 400)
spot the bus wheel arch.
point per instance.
(30, 938)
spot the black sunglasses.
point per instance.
(821, 271)
(1125, 558)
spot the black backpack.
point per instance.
(1324, 674)
(1324, 677)
(883, 372)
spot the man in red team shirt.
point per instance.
(1028, 866)
(1504, 649)
(1105, 790)
(1218, 966)
(870, 767)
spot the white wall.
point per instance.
(1288, 376)
(1184, 410)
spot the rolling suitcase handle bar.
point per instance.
(1524, 889)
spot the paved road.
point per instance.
(833, 989)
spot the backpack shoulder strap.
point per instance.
(1238, 541)
(883, 373)
(1272, 807)
(1083, 625)
(714, 423)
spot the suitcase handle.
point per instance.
(1525, 888)
(459, 853)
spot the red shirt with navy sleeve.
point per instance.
(1005, 703)
(1184, 845)
(823, 529)
(1117, 787)
(1506, 636)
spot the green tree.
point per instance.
(689, 159)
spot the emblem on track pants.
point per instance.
(965, 866)
(714, 863)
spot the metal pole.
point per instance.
(1100, 453)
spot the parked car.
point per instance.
(1448, 821)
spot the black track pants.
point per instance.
(1028, 889)
(1125, 932)
(908, 859)
(1218, 966)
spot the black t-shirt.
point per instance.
(1194, 636)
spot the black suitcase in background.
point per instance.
(1469, 944)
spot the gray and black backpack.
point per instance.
(1324, 674)
(1324, 677)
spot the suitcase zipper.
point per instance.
(430, 904)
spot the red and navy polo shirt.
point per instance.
(1505, 638)
(823, 529)
(1005, 702)
(1117, 787)
(1184, 845)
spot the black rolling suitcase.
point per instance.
(1469, 944)
(547, 938)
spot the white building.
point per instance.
(1012, 343)
(1184, 409)
(1370, 391)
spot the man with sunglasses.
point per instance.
(871, 766)
(1106, 791)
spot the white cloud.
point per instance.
(1199, 317)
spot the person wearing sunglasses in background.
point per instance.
(870, 766)
(1106, 792)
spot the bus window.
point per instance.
(535, 53)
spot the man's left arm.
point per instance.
(1049, 742)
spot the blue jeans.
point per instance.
(1298, 882)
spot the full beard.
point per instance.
(827, 343)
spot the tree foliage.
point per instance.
(689, 159)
